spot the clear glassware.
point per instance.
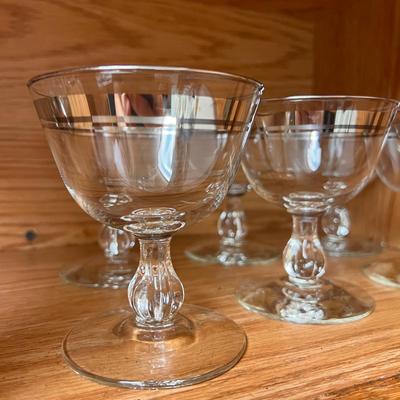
(308, 153)
(339, 239)
(233, 248)
(385, 269)
(149, 150)
(114, 268)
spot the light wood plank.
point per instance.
(285, 361)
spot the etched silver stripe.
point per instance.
(140, 120)
(157, 120)
(115, 131)
(319, 127)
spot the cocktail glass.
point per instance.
(385, 269)
(232, 248)
(308, 153)
(112, 268)
(166, 142)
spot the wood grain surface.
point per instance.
(286, 44)
(272, 41)
(355, 361)
(295, 47)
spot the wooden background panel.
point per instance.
(295, 47)
(357, 48)
(357, 52)
(260, 39)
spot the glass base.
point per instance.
(350, 247)
(326, 303)
(95, 273)
(386, 271)
(248, 253)
(112, 349)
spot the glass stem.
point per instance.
(232, 226)
(336, 223)
(116, 245)
(303, 257)
(155, 293)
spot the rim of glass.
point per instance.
(296, 99)
(126, 68)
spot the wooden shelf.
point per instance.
(360, 360)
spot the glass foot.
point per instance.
(111, 349)
(350, 247)
(95, 273)
(325, 304)
(386, 272)
(248, 253)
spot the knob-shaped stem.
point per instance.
(303, 257)
(155, 293)
(232, 226)
(116, 244)
(336, 223)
